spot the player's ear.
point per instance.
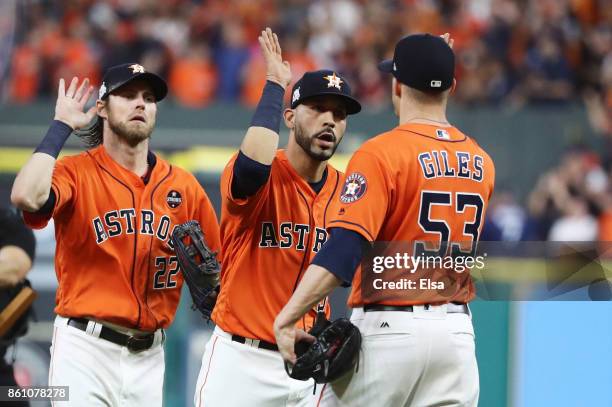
(453, 86)
(101, 108)
(397, 88)
(289, 116)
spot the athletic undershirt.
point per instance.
(251, 175)
(341, 254)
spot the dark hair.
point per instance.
(92, 134)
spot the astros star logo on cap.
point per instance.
(333, 81)
(137, 68)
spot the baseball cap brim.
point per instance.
(158, 85)
(352, 105)
(386, 66)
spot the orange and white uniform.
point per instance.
(416, 183)
(116, 267)
(433, 185)
(268, 240)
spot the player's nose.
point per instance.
(140, 100)
(328, 118)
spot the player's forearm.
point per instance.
(33, 182)
(316, 284)
(261, 140)
(260, 144)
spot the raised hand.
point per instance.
(447, 39)
(277, 70)
(70, 103)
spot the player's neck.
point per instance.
(309, 169)
(411, 112)
(131, 158)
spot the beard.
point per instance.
(131, 132)
(308, 143)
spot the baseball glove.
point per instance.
(199, 265)
(334, 352)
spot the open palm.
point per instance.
(277, 70)
(70, 103)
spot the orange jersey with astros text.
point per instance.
(268, 241)
(114, 260)
(416, 183)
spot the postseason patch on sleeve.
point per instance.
(354, 188)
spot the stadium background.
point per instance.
(534, 89)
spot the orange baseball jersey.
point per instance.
(114, 259)
(417, 182)
(268, 241)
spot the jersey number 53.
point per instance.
(457, 203)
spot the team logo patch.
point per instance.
(102, 90)
(174, 199)
(354, 188)
(296, 95)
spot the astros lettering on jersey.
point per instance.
(112, 232)
(268, 242)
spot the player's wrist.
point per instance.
(277, 81)
(54, 140)
(270, 107)
(64, 121)
(283, 322)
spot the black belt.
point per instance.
(459, 308)
(255, 342)
(133, 343)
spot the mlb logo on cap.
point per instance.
(422, 61)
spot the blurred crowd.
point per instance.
(572, 202)
(508, 51)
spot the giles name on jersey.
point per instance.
(436, 164)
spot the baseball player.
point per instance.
(275, 208)
(423, 181)
(114, 208)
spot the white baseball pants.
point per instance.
(101, 373)
(236, 375)
(423, 358)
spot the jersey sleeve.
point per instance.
(248, 206)
(64, 186)
(362, 203)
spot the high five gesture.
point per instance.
(70, 103)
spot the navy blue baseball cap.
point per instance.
(324, 82)
(422, 61)
(119, 75)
